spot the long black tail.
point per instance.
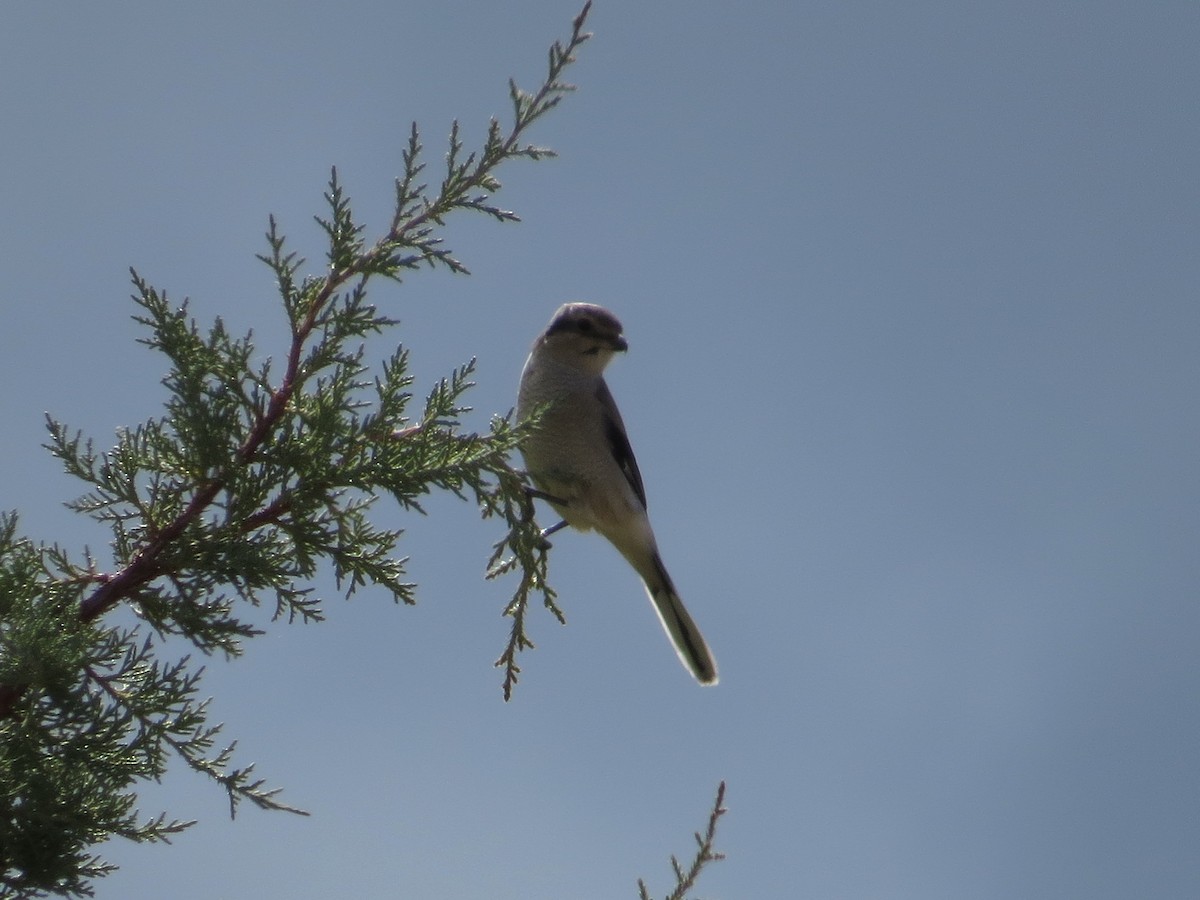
(681, 629)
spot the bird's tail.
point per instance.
(689, 642)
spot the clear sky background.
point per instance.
(911, 294)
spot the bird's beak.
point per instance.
(619, 344)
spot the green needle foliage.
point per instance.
(253, 478)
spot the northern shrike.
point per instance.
(581, 462)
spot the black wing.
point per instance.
(618, 442)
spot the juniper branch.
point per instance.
(252, 478)
(685, 880)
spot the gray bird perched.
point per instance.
(581, 462)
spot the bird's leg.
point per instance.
(544, 544)
(531, 493)
(546, 532)
(542, 495)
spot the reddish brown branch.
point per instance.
(144, 566)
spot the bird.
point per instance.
(579, 460)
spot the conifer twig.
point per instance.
(685, 880)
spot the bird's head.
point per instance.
(584, 336)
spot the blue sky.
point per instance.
(910, 291)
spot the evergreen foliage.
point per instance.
(251, 480)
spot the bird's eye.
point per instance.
(585, 325)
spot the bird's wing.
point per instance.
(618, 441)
